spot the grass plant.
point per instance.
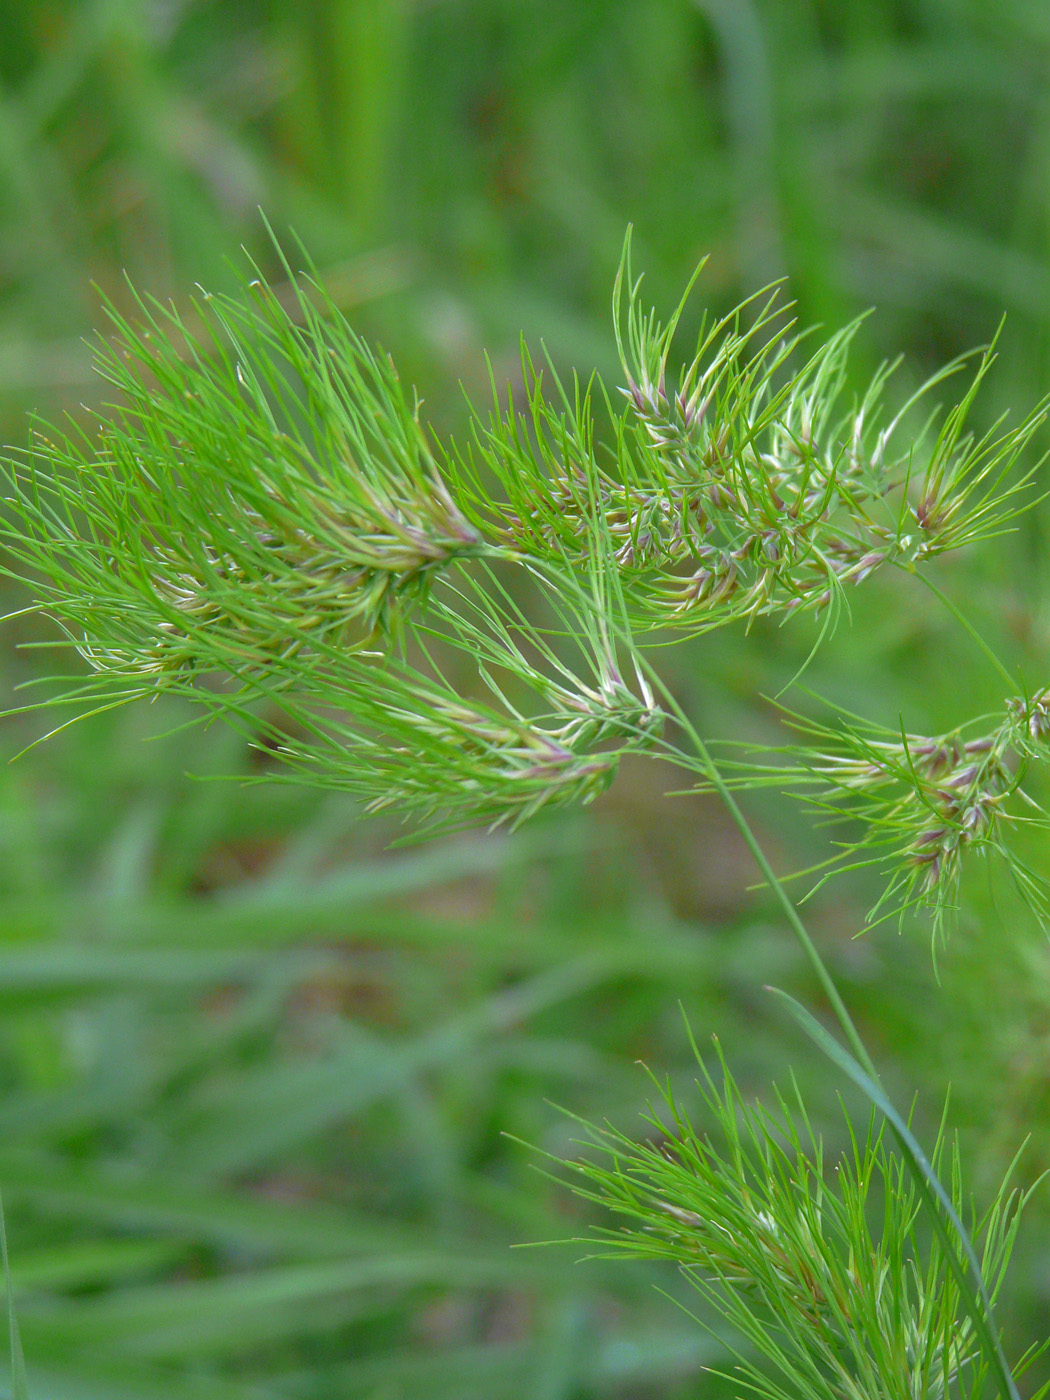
(238, 1039)
(264, 527)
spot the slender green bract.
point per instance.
(263, 524)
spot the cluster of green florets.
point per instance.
(266, 518)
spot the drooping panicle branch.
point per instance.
(915, 806)
(264, 518)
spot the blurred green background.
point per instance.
(257, 1069)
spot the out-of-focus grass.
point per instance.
(255, 1072)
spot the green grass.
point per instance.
(256, 1069)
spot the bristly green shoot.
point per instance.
(821, 1268)
(264, 524)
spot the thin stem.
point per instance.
(781, 895)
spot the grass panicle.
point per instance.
(820, 1268)
(263, 524)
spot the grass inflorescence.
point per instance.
(265, 525)
(819, 1268)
